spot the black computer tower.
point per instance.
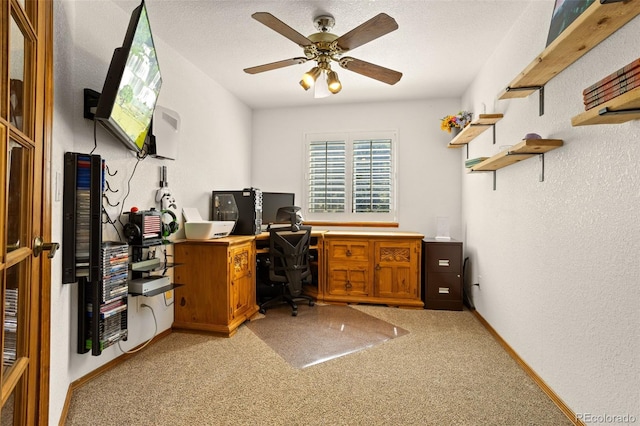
(249, 203)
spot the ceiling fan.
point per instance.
(325, 47)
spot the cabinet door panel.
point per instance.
(398, 282)
(396, 269)
(242, 283)
(349, 250)
(349, 279)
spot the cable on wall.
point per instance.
(155, 332)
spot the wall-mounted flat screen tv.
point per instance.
(132, 85)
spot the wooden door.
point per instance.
(348, 268)
(25, 123)
(396, 269)
(242, 280)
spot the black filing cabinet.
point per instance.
(442, 274)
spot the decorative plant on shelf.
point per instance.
(458, 121)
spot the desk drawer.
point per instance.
(444, 291)
(443, 258)
(357, 251)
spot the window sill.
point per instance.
(363, 224)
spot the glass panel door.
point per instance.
(19, 58)
(23, 25)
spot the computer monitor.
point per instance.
(271, 202)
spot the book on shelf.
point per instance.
(612, 95)
(613, 76)
(613, 84)
(614, 91)
(473, 161)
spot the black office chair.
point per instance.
(289, 265)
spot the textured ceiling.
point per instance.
(439, 45)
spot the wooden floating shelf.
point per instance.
(594, 25)
(157, 291)
(525, 149)
(476, 127)
(613, 111)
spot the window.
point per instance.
(350, 177)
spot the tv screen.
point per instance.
(133, 82)
(271, 202)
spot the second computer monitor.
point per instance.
(271, 202)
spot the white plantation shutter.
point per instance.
(327, 177)
(350, 177)
(372, 176)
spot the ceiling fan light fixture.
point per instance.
(304, 84)
(333, 82)
(321, 89)
(310, 77)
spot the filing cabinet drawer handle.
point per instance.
(443, 262)
(443, 290)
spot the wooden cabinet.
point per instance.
(218, 277)
(396, 269)
(442, 274)
(241, 281)
(349, 270)
(373, 267)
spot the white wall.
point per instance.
(214, 151)
(428, 177)
(558, 260)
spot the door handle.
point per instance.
(39, 246)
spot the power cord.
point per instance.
(144, 345)
(95, 138)
(129, 189)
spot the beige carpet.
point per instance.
(320, 333)
(448, 370)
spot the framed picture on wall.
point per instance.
(564, 13)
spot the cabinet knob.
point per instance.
(378, 267)
(348, 285)
(348, 253)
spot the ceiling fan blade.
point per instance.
(377, 72)
(375, 27)
(280, 27)
(275, 65)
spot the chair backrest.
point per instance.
(289, 256)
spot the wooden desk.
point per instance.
(373, 267)
(316, 288)
(219, 291)
(219, 275)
